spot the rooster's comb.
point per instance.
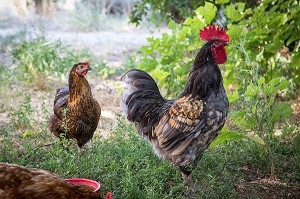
(213, 32)
(84, 63)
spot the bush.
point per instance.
(170, 57)
(38, 57)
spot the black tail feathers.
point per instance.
(141, 100)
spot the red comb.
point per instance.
(213, 32)
(85, 63)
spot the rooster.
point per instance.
(76, 111)
(31, 183)
(180, 130)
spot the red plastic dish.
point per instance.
(96, 185)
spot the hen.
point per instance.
(18, 182)
(76, 111)
(180, 130)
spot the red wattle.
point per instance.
(220, 54)
(84, 73)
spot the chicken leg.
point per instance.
(188, 180)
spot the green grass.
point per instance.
(127, 166)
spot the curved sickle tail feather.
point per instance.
(141, 100)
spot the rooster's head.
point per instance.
(82, 68)
(219, 38)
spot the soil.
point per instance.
(256, 185)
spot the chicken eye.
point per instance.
(216, 44)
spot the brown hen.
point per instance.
(180, 130)
(18, 182)
(76, 111)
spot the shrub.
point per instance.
(38, 57)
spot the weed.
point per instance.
(22, 118)
(38, 59)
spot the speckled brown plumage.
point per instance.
(179, 130)
(76, 111)
(18, 182)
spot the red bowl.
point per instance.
(96, 185)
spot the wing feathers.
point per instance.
(179, 124)
(183, 146)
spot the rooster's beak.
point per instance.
(227, 43)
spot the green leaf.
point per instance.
(168, 59)
(251, 90)
(160, 75)
(295, 60)
(232, 13)
(250, 122)
(261, 81)
(146, 49)
(274, 46)
(274, 82)
(226, 136)
(27, 134)
(221, 1)
(241, 6)
(271, 87)
(233, 97)
(235, 32)
(239, 119)
(257, 140)
(208, 12)
(271, 102)
(172, 25)
(188, 21)
(148, 64)
(282, 110)
(154, 42)
(293, 37)
(283, 84)
(253, 110)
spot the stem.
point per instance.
(271, 157)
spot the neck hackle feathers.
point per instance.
(213, 32)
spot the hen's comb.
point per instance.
(213, 32)
(85, 63)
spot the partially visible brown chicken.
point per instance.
(18, 182)
(76, 111)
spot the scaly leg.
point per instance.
(188, 180)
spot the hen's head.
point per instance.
(219, 39)
(81, 68)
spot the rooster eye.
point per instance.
(216, 44)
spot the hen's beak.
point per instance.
(89, 68)
(227, 43)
